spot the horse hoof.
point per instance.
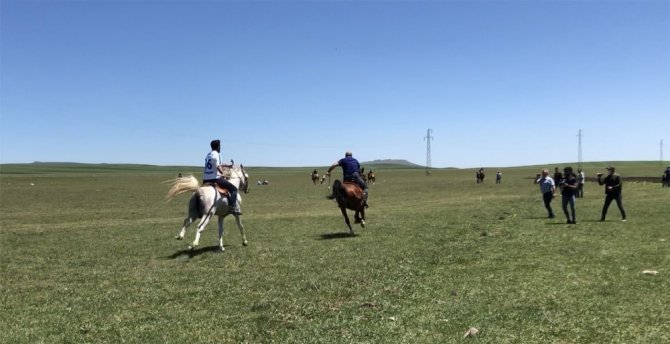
(178, 237)
(363, 224)
(192, 247)
(244, 243)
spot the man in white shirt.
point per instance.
(211, 174)
(581, 178)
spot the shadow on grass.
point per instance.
(340, 235)
(557, 223)
(187, 253)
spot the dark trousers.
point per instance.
(232, 190)
(569, 200)
(608, 199)
(547, 197)
(580, 190)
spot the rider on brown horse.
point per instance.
(350, 168)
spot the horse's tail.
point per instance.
(182, 184)
(338, 191)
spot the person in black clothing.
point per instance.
(568, 189)
(612, 192)
(558, 176)
(666, 178)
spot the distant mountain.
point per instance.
(395, 162)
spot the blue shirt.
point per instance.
(349, 166)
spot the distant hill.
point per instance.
(393, 162)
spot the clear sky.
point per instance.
(500, 83)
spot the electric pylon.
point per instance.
(428, 138)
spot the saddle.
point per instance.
(353, 190)
(223, 192)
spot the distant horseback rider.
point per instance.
(350, 171)
(212, 174)
(315, 176)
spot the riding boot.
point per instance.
(233, 209)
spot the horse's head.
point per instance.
(244, 179)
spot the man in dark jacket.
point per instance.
(612, 192)
(568, 189)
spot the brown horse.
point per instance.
(371, 177)
(349, 196)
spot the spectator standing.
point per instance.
(547, 188)
(498, 177)
(613, 186)
(581, 179)
(568, 189)
(557, 175)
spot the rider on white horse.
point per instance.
(212, 174)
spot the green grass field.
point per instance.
(88, 256)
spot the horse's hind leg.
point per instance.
(187, 222)
(201, 227)
(193, 214)
(238, 220)
(346, 219)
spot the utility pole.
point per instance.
(427, 139)
(661, 152)
(579, 150)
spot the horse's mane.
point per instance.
(227, 172)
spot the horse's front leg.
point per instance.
(221, 234)
(187, 222)
(238, 220)
(359, 217)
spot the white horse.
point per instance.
(207, 202)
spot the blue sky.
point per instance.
(500, 83)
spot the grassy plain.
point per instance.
(87, 255)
